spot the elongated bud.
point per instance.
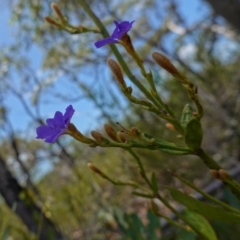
(111, 132)
(215, 173)
(135, 131)
(170, 126)
(117, 72)
(57, 10)
(52, 21)
(165, 63)
(95, 169)
(224, 175)
(121, 137)
(97, 136)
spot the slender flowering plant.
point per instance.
(121, 29)
(55, 126)
(188, 126)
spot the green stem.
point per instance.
(144, 175)
(120, 183)
(157, 101)
(207, 160)
(171, 221)
(117, 54)
(229, 182)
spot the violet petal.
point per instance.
(58, 120)
(105, 41)
(68, 114)
(44, 131)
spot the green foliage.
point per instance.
(11, 225)
(133, 228)
(199, 224)
(186, 115)
(231, 199)
(209, 211)
(194, 134)
(185, 235)
(71, 196)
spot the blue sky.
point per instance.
(19, 120)
(86, 114)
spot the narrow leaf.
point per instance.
(186, 115)
(209, 211)
(199, 224)
(194, 133)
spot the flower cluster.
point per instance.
(58, 125)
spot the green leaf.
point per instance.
(186, 235)
(153, 226)
(231, 199)
(130, 225)
(209, 211)
(147, 141)
(186, 115)
(199, 224)
(176, 152)
(194, 133)
(135, 227)
(119, 217)
(168, 147)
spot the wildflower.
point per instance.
(55, 126)
(121, 29)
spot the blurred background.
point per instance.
(47, 191)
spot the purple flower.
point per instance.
(55, 126)
(119, 31)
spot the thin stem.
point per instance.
(117, 54)
(229, 182)
(144, 175)
(171, 221)
(208, 160)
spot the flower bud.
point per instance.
(224, 175)
(110, 132)
(94, 168)
(170, 126)
(117, 72)
(57, 10)
(52, 21)
(215, 173)
(165, 63)
(121, 137)
(134, 132)
(97, 136)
